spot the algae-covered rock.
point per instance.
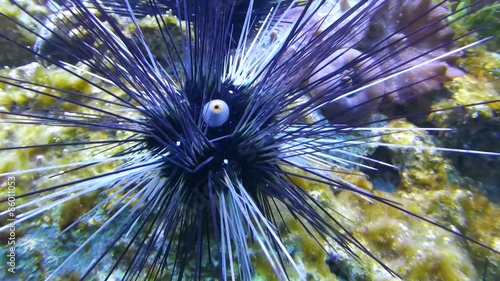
(64, 38)
(52, 88)
(482, 65)
(481, 17)
(416, 249)
(426, 189)
(475, 127)
(31, 131)
(83, 43)
(153, 28)
(19, 29)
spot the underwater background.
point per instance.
(457, 190)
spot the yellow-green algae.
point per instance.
(478, 126)
(45, 97)
(445, 203)
(12, 54)
(467, 90)
(152, 27)
(414, 248)
(482, 65)
(422, 169)
(37, 157)
(434, 254)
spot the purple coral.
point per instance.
(393, 37)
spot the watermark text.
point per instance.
(11, 224)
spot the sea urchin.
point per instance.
(195, 152)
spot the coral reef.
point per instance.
(419, 169)
(66, 23)
(12, 54)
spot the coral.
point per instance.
(12, 97)
(37, 259)
(435, 254)
(391, 37)
(308, 254)
(426, 190)
(359, 104)
(75, 208)
(392, 235)
(444, 202)
(485, 228)
(404, 27)
(466, 90)
(63, 28)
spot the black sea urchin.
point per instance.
(194, 159)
